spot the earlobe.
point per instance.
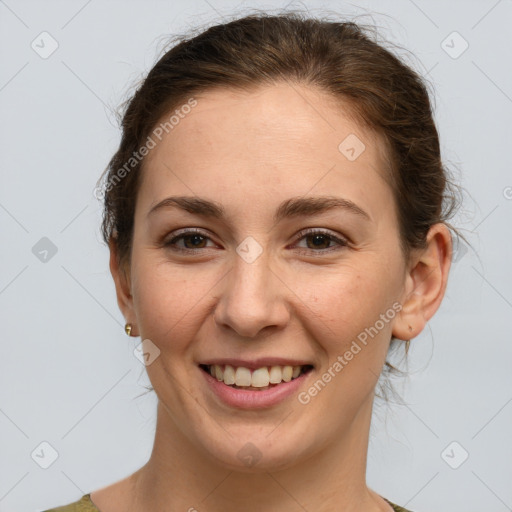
(425, 283)
(122, 283)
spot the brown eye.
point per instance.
(317, 241)
(191, 239)
(320, 241)
(195, 239)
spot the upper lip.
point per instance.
(256, 363)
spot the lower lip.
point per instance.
(248, 399)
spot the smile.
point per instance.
(260, 379)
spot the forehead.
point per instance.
(270, 142)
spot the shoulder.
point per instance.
(397, 508)
(84, 504)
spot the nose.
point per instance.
(253, 297)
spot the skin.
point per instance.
(250, 151)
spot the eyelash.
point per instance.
(303, 234)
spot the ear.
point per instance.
(425, 283)
(122, 281)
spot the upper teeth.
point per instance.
(259, 378)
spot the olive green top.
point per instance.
(84, 504)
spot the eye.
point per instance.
(198, 239)
(319, 239)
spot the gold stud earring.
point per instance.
(128, 329)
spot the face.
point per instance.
(307, 287)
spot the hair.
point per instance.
(341, 58)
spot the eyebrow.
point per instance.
(293, 207)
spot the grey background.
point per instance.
(68, 374)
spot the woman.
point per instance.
(277, 219)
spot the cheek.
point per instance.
(351, 325)
(346, 299)
(167, 302)
(349, 307)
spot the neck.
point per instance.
(180, 477)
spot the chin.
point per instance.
(255, 453)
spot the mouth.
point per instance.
(258, 379)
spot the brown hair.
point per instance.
(341, 58)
